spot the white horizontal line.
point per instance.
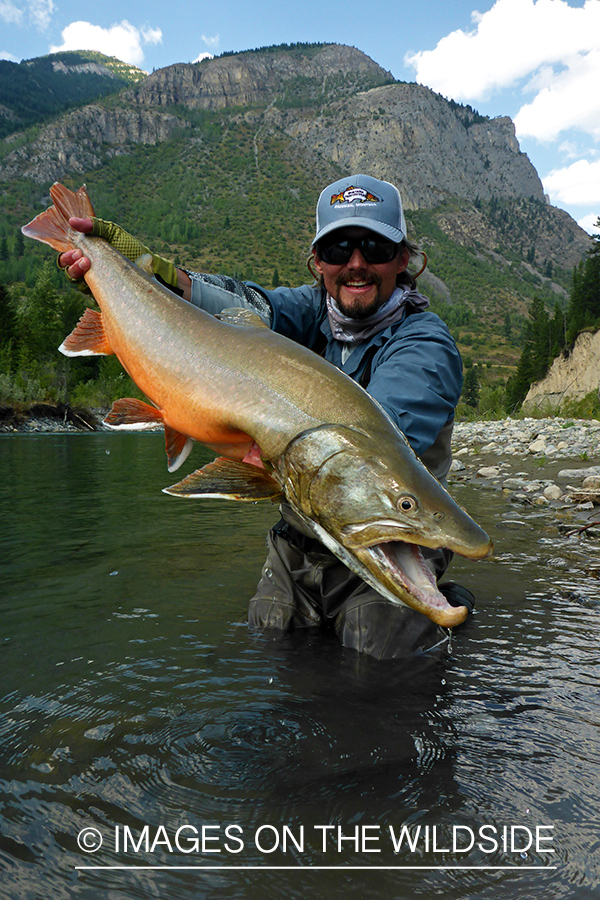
(328, 868)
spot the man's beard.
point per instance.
(354, 309)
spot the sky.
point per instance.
(537, 61)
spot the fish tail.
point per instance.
(52, 226)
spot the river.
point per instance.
(151, 746)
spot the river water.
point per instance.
(138, 710)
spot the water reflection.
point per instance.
(133, 696)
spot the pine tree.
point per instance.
(471, 387)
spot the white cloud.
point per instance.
(571, 99)
(576, 185)
(589, 223)
(33, 12)
(122, 40)
(5, 55)
(11, 13)
(40, 13)
(212, 41)
(513, 40)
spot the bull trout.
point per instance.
(325, 446)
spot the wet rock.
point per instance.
(575, 474)
(520, 497)
(591, 483)
(488, 472)
(552, 492)
(538, 446)
(514, 484)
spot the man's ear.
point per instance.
(403, 259)
(316, 262)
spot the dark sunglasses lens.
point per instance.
(373, 251)
(336, 254)
(378, 251)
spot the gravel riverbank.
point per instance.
(553, 463)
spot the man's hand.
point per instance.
(74, 262)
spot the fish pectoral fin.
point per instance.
(88, 337)
(135, 414)
(228, 479)
(178, 447)
(235, 315)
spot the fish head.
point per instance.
(373, 503)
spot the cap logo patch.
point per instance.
(354, 194)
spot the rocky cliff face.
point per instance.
(252, 79)
(85, 139)
(572, 376)
(409, 134)
(403, 132)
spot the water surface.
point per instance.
(134, 701)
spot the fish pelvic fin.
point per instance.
(88, 337)
(178, 447)
(228, 479)
(52, 226)
(133, 414)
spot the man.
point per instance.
(366, 317)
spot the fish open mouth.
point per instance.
(401, 568)
(405, 564)
(397, 570)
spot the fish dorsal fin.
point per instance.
(235, 315)
(228, 479)
(88, 337)
(144, 262)
(130, 413)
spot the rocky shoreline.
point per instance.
(51, 418)
(553, 463)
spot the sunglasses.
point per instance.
(374, 250)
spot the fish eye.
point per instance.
(407, 503)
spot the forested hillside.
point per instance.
(34, 90)
(546, 335)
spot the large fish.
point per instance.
(326, 446)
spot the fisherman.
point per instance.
(365, 315)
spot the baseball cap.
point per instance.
(364, 201)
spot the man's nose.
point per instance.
(357, 260)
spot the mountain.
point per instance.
(219, 165)
(35, 89)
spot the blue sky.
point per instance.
(537, 61)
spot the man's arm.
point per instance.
(417, 378)
(213, 293)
